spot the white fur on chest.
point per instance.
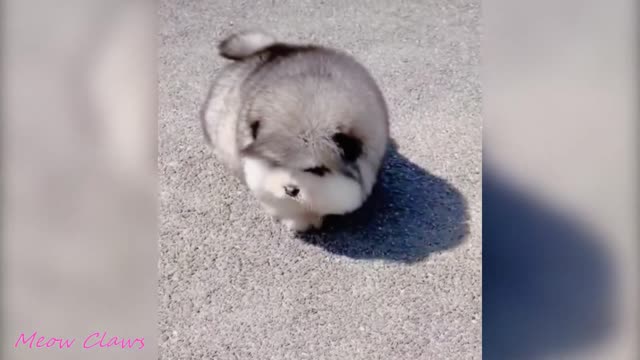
(267, 183)
(319, 196)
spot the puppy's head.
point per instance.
(301, 151)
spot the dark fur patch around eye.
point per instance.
(350, 146)
(318, 170)
(255, 126)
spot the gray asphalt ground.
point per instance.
(400, 279)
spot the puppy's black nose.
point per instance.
(291, 190)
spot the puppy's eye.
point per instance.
(255, 126)
(350, 146)
(318, 170)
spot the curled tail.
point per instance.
(244, 44)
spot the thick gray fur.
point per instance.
(294, 99)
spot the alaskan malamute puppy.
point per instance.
(304, 126)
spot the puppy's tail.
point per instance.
(244, 44)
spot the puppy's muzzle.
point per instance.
(291, 190)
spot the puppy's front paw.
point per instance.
(316, 221)
(298, 225)
(304, 223)
(271, 211)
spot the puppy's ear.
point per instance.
(349, 145)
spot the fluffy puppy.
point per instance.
(304, 126)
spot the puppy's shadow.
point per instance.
(409, 215)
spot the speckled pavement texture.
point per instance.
(400, 279)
